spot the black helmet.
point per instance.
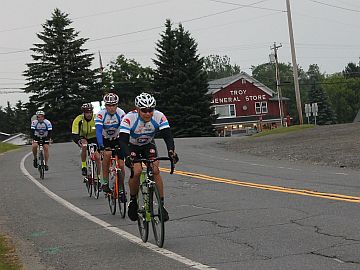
(87, 107)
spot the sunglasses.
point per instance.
(147, 110)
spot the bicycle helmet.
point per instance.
(40, 113)
(111, 99)
(145, 100)
(87, 107)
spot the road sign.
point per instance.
(314, 108)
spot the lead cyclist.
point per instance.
(137, 132)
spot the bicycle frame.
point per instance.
(114, 179)
(41, 158)
(150, 204)
(91, 178)
(114, 169)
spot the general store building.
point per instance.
(244, 104)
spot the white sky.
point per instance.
(325, 31)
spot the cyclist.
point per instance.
(83, 132)
(107, 125)
(137, 132)
(41, 129)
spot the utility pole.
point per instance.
(278, 88)
(295, 70)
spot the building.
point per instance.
(244, 105)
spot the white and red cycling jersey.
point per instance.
(107, 125)
(141, 132)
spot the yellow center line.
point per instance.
(303, 192)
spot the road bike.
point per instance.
(41, 158)
(149, 202)
(118, 193)
(92, 180)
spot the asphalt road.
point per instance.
(227, 211)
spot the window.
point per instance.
(261, 107)
(225, 110)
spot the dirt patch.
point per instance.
(8, 257)
(335, 145)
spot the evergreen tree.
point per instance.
(326, 114)
(181, 84)
(60, 77)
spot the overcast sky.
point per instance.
(325, 31)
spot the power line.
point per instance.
(249, 5)
(19, 51)
(85, 16)
(333, 6)
(183, 21)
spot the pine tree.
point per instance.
(326, 114)
(181, 84)
(60, 77)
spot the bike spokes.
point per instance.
(143, 214)
(157, 219)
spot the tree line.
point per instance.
(60, 79)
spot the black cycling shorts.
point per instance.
(144, 151)
(112, 144)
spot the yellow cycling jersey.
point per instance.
(83, 128)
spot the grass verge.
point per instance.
(4, 147)
(8, 258)
(282, 130)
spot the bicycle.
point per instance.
(92, 180)
(149, 202)
(118, 192)
(41, 158)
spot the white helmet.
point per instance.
(145, 100)
(111, 99)
(40, 113)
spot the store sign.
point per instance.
(237, 96)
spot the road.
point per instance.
(227, 211)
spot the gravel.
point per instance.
(333, 145)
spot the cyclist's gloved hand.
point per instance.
(129, 161)
(101, 148)
(173, 156)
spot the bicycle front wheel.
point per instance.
(96, 186)
(143, 213)
(41, 165)
(96, 181)
(112, 203)
(121, 197)
(157, 219)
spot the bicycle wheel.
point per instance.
(143, 220)
(112, 202)
(121, 197)
(41, 165)
(157, 219)
(96, 181)
(89, 178)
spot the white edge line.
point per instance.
(109, 227)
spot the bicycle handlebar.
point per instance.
(41, 142)
(149, 161)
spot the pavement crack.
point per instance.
(317, 253)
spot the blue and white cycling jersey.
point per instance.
(141, 132)
(107, 125)
(41, 129)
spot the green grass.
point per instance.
(8, 257)
(4, 147)
(282, 130)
